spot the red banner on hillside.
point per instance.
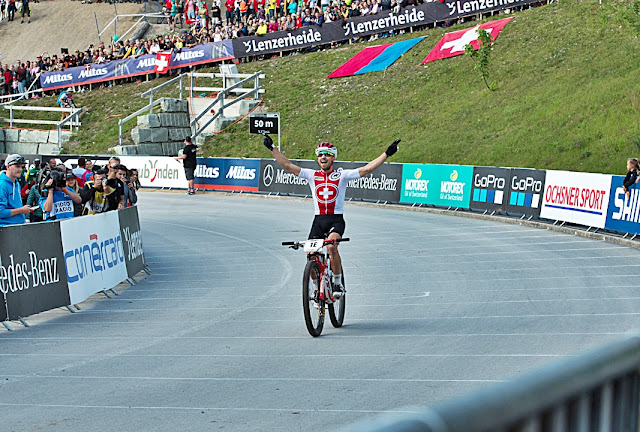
(452, 44)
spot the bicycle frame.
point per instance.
(326, 291)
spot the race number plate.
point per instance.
(313, 245)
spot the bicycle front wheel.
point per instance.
(337, 308)
(312, 307)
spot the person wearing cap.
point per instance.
(12, 212)
(57, 197)
(189, 163)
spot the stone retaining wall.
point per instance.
(25, 141)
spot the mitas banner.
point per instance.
(454, 43)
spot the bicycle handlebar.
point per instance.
(296, 245)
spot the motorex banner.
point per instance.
(623, 213)
(93, 254)
(227, 174)
(581, 198)
(442, 185)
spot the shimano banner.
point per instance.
(384, 21)
(624, 210)
(98, 72)
(227, 174)
(490, 188)
(581, 198)
(526, 187)
(93, 254)
(131, 240)
(32, 275)
(381, 185)
(442, 185)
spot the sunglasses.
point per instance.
(325, 154)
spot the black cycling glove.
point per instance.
(393, 148)
(268, 142)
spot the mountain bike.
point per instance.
(317, 286)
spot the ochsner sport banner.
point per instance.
(97, 72)
(581, 198)
(157, 171)
(623, 213)
(32, 272)
(443, 185)
(227, 174)
(93, 254)
(427, 13)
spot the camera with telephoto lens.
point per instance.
(59, 180)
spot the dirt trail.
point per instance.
(59, 24)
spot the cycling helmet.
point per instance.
(15, 159)
(70, 90)
(327, 147)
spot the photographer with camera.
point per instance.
(95, 194)
(57, 198)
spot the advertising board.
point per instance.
(157, 171)
(131, 235)
(442, 185)
(32, 272)
(526, 187)
(93, 254)
(490, 188)
(623, 213)
(227, 174)
(581, 198)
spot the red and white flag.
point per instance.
(87, 67)
(452, 44)
(162, 62)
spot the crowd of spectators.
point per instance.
(55, 191)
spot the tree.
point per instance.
(481, 55)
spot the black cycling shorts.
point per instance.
(323, 225)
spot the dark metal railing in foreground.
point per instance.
(597, 391)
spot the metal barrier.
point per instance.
(148, 107)
(71, 120)
(596, 391)
(224, 92)
(150, 92)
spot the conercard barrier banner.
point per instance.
(93, 254)
(443, 185)
(581, 198)
(157, 171)
(427, 13)
(227, 174)
(383, 184)
(32, 273)
(526, 187)
(623, 213)
(131, 236)
(490, 188)
(99, 72)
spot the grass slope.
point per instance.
(567, 98)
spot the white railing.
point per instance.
(71, 120)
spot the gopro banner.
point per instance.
(381, 185)
(227, 174)
(490, 188)
(442, 185)
(32, 275)
(581, 198)
(526, 187)
(624, 211)
(145, 64)
(93, 254)
(131, 236)
(157, 171)
(427, 13)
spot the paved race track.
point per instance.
(215, 339)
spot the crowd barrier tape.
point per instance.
(53, 264)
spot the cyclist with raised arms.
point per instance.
(328, 187)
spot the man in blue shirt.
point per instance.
(57, 199)
(11, 209)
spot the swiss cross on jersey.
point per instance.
(328, 189)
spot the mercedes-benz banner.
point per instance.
(32, 275)
(381, 185)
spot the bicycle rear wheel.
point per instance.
(337, 308)
(312, 307)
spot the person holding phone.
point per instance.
(95, 194)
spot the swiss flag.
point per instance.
(162, 62)
(87, 67)
(452, 44)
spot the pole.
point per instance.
(278, 131)
(97, 26)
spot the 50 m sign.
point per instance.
(268, 123)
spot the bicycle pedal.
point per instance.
(316, 305)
